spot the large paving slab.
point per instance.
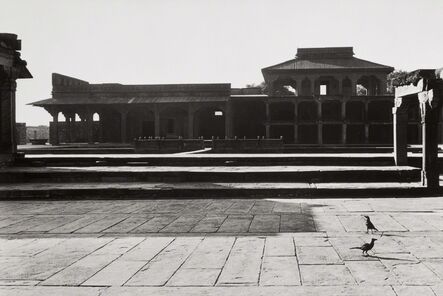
(221, 247)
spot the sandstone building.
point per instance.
(322, 96)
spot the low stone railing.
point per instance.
(145, 145)
(247, 145)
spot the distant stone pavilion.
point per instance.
(311, 99)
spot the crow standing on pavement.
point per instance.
(369, 225)
(366, 247)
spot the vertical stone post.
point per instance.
(156, 121)
(228, 120)
(366, 121)
(400, 126)
(101, 128)
(430, 110)
(344, 122)
(55, 140)
(295, 122)
(7, 117)
(191, 121)
(319, 124)
(89, 118)
(267, 121)
(123, 125)
(298, 85)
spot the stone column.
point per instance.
(430, 108)
(267, 121)
(400, 126)
(298, 85)
(89, 123)
(7, 117)
(344, 122)
(156, 121)
(123, 122)
(101, 136)
(319, 124)
(366, 121)
(295, 122)
(191, 122)
(228, 120)
(56, 139)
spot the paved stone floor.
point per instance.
(221, 247)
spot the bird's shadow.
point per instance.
(389, 258)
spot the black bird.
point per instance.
(369, 225)
(366, 247)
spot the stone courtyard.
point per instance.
(221, 247)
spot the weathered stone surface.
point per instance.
(116, 273)
(80, 271)
(155, 224)
(147, 249)
(371, 273)
(236, 223)
(325, 275)
(243, 265)
(160, 269)
(265, 223)
(194, 277)
(415, 274)
(183, 224)
(128, 224)
(101, 225)
(210, 223)
(413, 291)
(280, 271)
(279, 246)
(211, 253)
(318, 255)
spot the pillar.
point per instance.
(56, 139)
(298, 85)
(344, 123)
(366, 121)
(295, 122)
(267, 121)
(400, 126)
(7, 117)
(123, 121)
(191, 122)
(430, 109)
(156, 122)
(89, 123)
(229, 120)
(319, 125)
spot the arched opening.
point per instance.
(285, 87)
(77, 117)
(173, 123)
(96, 117)
(209, 122)
(347, 87)
(326, 85)
(368, 86)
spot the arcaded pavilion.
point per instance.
(322, 96)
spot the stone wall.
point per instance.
(37, 132)
(21, 133)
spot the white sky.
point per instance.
(167, 41)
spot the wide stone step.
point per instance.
(238, 174)
(128, 190)
(349, 159)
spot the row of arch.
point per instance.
(331, 110)
(113, 125)
(366, 85)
